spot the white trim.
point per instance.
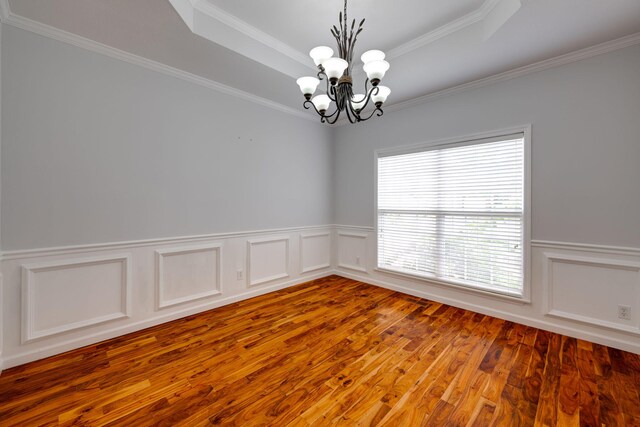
(348, 234)
(28, 332)
(457, 285)
(364, 228)
(631, 345)
(525, 130)
(469, 139)
(584, 247)
(248, 30)
(161, 302)
(6, 17)
(548, 283)
(253, 242)
(29, 356)
(362, 267)
(94, 46)
(449, 28)
(578, 55)
(187, 10)
(64, 250)
(303, 237)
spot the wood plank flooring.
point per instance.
(330, 352)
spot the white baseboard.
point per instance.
(576, 288)
(302, 254)
(60, 347)
(501, 314)
(59, 299)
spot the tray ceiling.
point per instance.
(259, 47)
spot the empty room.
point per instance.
(302, 213)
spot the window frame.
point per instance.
(470, 139)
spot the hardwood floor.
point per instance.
(331, 351)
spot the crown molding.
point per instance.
(251, 31)
(449, 28)
(7, 17)
(187, 9)
(578, 55)
(212, 23)
(75, 40)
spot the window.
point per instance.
(455, 212)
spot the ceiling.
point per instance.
(260, 46)
(305, 24)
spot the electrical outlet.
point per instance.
(624, 312)
(358, 260)
(239, 275)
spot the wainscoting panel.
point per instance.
(572, 283)
(59, 299)
(267, 260)
(352, 250)
(65, 295)
(315, 252)
(575, 288)
(188, 274)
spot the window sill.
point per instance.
(521, 299)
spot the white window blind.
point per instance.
(456, 213)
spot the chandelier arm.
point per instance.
(306, 104)
(323, 117)
(335, 119)
(349, 112)
(337, 111)
(356, 114)
(379, 112)
(369, 95)
(331, 90)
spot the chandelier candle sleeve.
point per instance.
(308, 86)
(372, 55)
(337, 70)
(334, 68)
(375, 70)
(381, 96)
(320, 54)
(321, 102)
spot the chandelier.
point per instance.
(336, 71)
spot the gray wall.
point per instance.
(585, 120)
(97, 150)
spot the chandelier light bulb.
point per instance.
(358, 101)
(380, 97)
(375, 70)
(321, 102)
(372, 55)
(334, 67)
(308, 86)
(320, 54)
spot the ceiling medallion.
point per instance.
(337, 73)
